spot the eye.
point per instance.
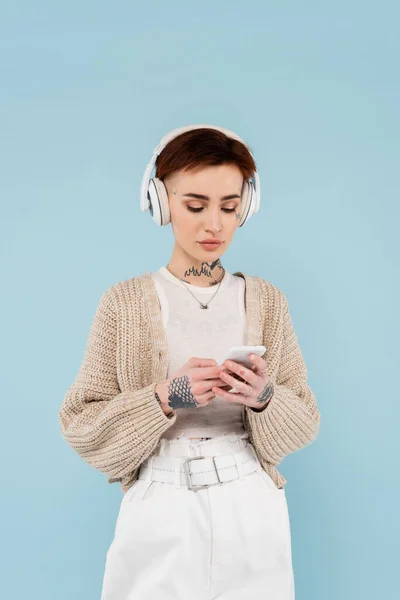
(192, 209)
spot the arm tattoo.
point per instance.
(180, 393)
(266, 394)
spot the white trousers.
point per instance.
(229, 541)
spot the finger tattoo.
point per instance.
(180, 393)
(266, 394)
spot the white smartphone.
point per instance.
(240, 354)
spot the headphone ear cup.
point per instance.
(163, 199)
(247, 202)
(159, 209)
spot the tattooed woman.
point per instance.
(194, 439)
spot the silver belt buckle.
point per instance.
(188, 474)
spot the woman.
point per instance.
(204, 514)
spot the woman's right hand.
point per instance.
(191, 385)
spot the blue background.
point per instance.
(87, 90)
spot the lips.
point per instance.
(210, 247)
(211, 242)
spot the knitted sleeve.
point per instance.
(113, 431)
(291, 420)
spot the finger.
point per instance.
(240, 386)
(236, 377)
(204, 387)
(259, 364)
(209, 372)
(216, 382)
(202, 362)
(228, 378)
(237, 398)
(247, 374)
(204, 399)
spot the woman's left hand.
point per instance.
(256, 389)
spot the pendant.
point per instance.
(203, 305)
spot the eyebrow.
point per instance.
(202, 197)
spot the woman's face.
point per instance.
(205, 203)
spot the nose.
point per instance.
(213, 222)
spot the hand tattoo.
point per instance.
(180, 393)
(266, 394)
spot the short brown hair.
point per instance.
(204, 147)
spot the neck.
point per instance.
(195, 272)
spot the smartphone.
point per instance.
(240, 354)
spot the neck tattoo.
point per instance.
(206, 269)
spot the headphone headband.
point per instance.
(176, 132)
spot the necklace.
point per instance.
(203, 305)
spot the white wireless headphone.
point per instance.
(153, 193)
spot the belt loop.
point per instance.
(239, 465)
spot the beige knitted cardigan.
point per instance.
(110, 415)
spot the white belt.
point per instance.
(198, 472)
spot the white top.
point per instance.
(206, 333)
